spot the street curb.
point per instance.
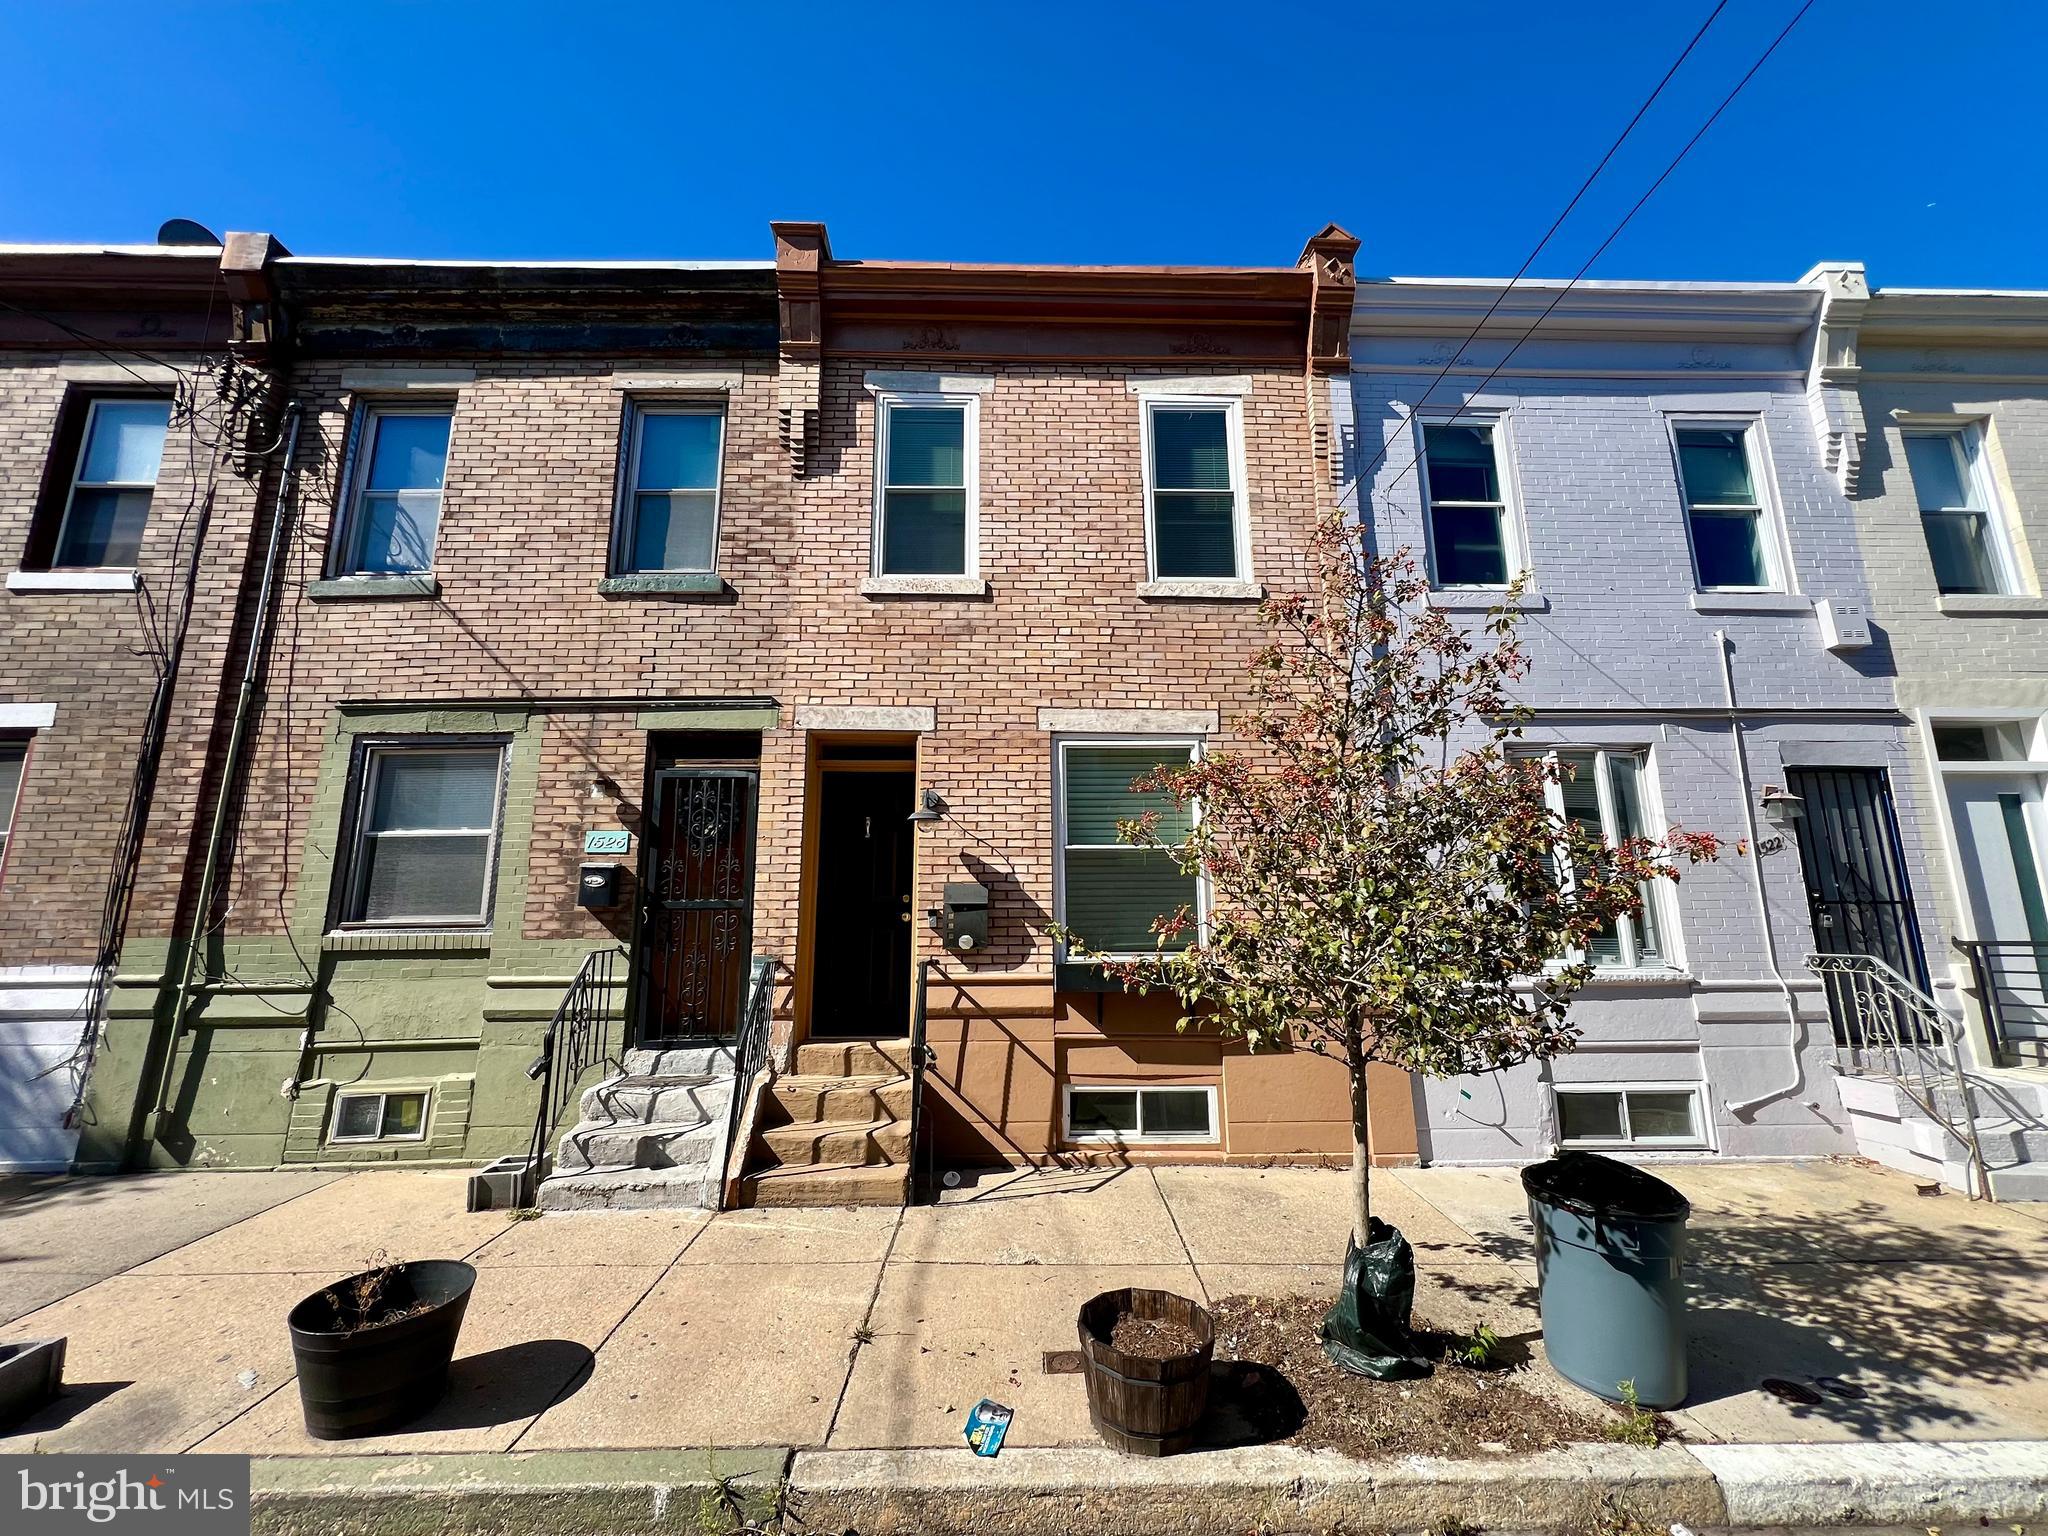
(1030, 1491)
(618, 1493)
(1908, 1483)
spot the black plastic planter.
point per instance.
(368, 1380)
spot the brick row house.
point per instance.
(603, 674)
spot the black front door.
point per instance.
(697, 903)
(860, 977)
(1855, 875)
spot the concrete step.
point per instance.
(603, 1144)
(864, 1184)
(824, 1144)
(642, 1100)
(712, 1058)
(853, 1058)
(808, 1100)
(2029, 1181)
(633, 1189)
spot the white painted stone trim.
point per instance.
(1476, 600)
(99, 371)
(891, 381)
(1195, 587)
(1750, 602)
(866, 717)
(25, 717)
(1134, 722)
(923, 586)
(72, 581)
(1239, 384)
(703, 381)
(383, 379)
(2004, 605)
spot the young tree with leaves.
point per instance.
(1387, 879)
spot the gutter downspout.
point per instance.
(230, 765)
(1797, 1026)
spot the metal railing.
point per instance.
(750, 1043)
(1891, 1029)
(578, 1037)
(2009, 975)
(922, 1057)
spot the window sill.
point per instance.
(344, 588)
(72, 581)
(1750, 602)
(665, 584)
(923, 586)
(1213, 591)
(400, 941)
(1638, 976)
(1486, 599)
(1991, 605)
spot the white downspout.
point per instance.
(1797, 1027)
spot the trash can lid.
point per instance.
(1594, 1185)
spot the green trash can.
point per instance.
(1610, 1241)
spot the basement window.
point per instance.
(1126, 1115)
(1636, 1116)
(380, 1116)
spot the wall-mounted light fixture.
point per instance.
(930, 808)
(1782, 808)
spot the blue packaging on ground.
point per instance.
(987, 1422)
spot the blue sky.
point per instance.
(1445, 136)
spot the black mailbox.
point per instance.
(966, 916)
(598, 886)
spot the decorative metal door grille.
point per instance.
(1856, 885)
(697, 909)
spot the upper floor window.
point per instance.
(392, 509)
(423, 844)
(1605, 793)
(13, 757)
(669, 520)
(1963, 536)
(1110, 893)
(1468, 514)
(1732, 548)
(925, 485)
(1194, 489)
(120, 454)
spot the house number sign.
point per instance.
(608, 840)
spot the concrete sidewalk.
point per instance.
(875, 1330)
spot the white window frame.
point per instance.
(374, 755)
(969, 404)
(626, 513)
(1232, 407)
(1770, 520)
(1655, 826)
(1514, 547)
(1703, 1124)
(1194, 745)
(79, 483)
(382, 1095)
(1966, 442)
(1139, 1137)
(13, 811)
(343, 556)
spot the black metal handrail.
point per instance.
(921, 1057)
(750, 1042)
(2009, 975)
(578, 1037)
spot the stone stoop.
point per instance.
(2012, 1128)
(651, 1138)
(836, 1129)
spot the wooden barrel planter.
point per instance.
(1140, 1405)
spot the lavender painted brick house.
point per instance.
(1699, 624)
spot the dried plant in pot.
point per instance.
(373, 1350)
(1146, 1356)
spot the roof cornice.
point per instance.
(1978, 317)
(1774, 311)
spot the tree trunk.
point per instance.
(1361, 1140)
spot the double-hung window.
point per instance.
(107, 506)
(1110, 892)
(1196, 524)
(1468, 514)
(925, 484)
(13, 757)
(1732, 546)
(1963, 536)
(392, 509)
(424, 842)
(669, 517)
(1605, 793)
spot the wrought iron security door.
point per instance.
(1855, 873)
(697, 912)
